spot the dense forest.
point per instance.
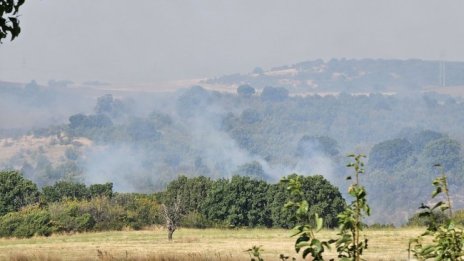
(142, 141)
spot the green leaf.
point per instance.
(307, 251)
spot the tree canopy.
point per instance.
(16, 191)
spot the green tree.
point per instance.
(323, 198)
(240, 201)
(101, 190)
(65, 190)
(9, 23)
(446, 151)
(386, 155)
(16, 191)
(190, 191)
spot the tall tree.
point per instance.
(16, 191)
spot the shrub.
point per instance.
(67, 216)
(142, 210)
(9, 223)
(107, 216)
(195, 220)
(436, 218)
(27, 222)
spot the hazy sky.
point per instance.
(157, 40)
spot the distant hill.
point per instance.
(347, 75)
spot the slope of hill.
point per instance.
(141, 141)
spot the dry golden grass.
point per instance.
(188, 244)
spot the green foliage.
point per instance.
(388, 154)
(9, 22)
(413, 168)
(195, 220)
(65, 190)
(192, 192)
(240, 201)
(16, 191)
(255, 253)
(107, 216)
(447, 239)
(27, 222)
(323, 198)
(142, 210)
(349, 246)
(68, 216)
(102, 213)
(434, 219)
(101, 190)
(306, 242)
(443, 150)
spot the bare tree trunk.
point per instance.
(172, 216)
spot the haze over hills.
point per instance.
(262, 124)
(352, 76)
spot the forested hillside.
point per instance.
(141, 142)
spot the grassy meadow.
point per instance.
(189, 244)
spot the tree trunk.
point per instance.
(170, 232)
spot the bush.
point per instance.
(142, 210)
(9, 223)
(195, 220)
(107, 216)
(381, 226)
(28, 222)
(437, 218)
(67, 216)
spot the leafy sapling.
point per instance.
(447, 240)
(255, 253)
(306, 242)
(349, 245)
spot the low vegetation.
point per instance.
(191, 244)
(199, 202)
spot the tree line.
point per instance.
(67, 207)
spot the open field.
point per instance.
(188, 244)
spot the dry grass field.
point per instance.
(188, 244)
